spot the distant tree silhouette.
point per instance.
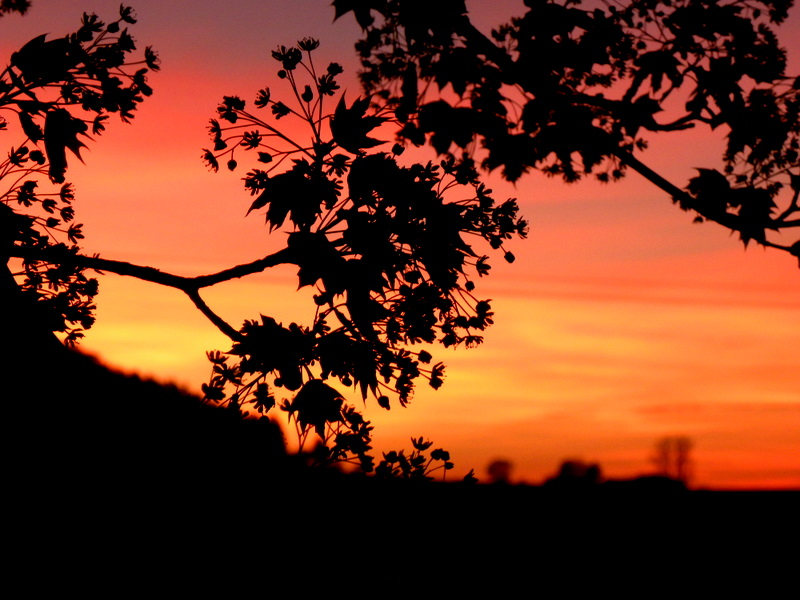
(499, 471)
(672, 458)
(574, 90)
(575, 475)
(388, 246)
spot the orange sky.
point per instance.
(620, 322)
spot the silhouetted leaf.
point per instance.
(316, 405)
(41, 61)
(350, 126)
(360, 8)
(61, 131)
(29, 127)
(712, 193)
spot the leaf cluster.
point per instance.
(418, 465)
(62, 88)
(59, 92)
(391, 249)
(572, 89)
(10, 6)
(341, 435)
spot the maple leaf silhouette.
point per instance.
(350, 126)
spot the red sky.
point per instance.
(621, 322)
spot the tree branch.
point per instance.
(282, 257)
(185, 284)
(221, 324)
(729, 220)
(500, 57)
(189, 285)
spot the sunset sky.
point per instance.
(621, 322)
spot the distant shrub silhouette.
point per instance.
(499, 471)
(575, 475)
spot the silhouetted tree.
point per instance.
(387, 245)
(575, 475)
(672, 458)
(574, 90)
(499, 471)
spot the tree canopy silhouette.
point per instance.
(574, 90)
(391, 247)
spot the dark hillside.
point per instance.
(68, 416)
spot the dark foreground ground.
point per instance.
(289, 535)
(106, 487)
